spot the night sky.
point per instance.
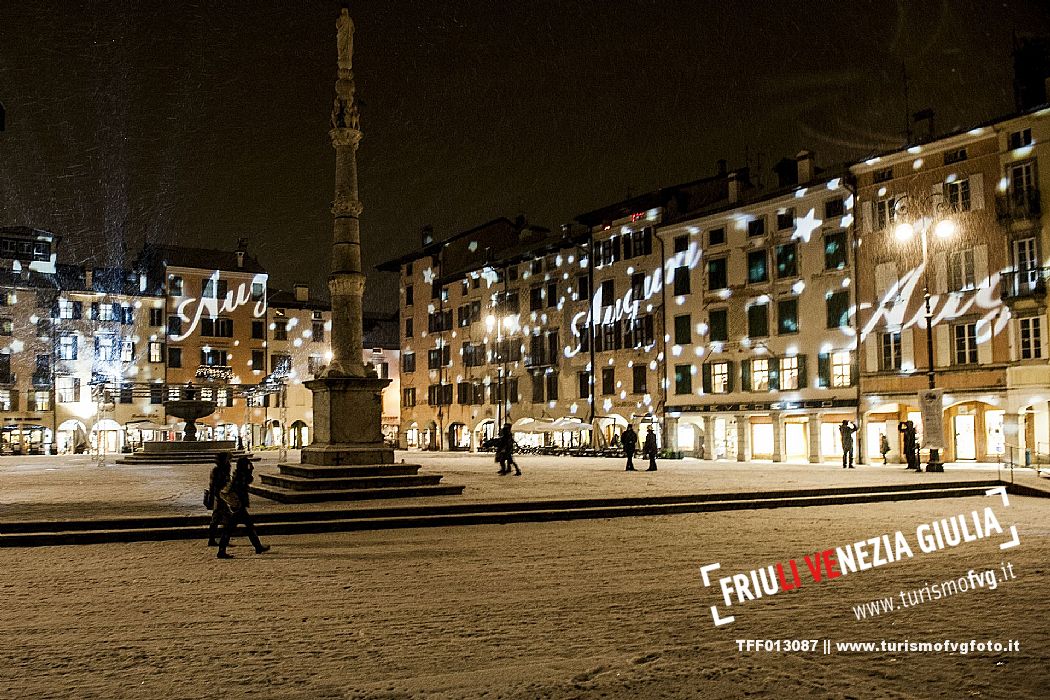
(197, 123)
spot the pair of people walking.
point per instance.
(629, 440)
(505, 452)
(229, 499)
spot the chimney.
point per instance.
(721, 167)
(804, 159)
(242, 248)
(427, 234)
(732, 187)
(88, 278)
(302, 292)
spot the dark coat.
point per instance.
(650, 448)
(629, 439)
(220, 476)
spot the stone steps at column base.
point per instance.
(342, 483)
(310, 471)
(286, 495)
(180, 458)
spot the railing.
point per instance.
(1017, 204)
(1022, 284)
(1035, 457)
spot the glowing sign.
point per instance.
(233, 300)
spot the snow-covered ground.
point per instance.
(74, 487)
(585, 609)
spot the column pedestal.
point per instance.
(348, 417)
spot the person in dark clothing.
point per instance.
(884, 447)
(236, 497)
(907, 429)
(649, 449)
(220, 476)
(846, 430)
(505, 451)
(630, 444)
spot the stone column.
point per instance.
(1012, 433)
(778, 437)
(860, 441)
(671, 433)
(709, 437)
(815, 421)
(743, 438)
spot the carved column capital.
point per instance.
(345, 136)
(351, 208)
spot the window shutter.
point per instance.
(117, 314)
(774, 374)
(980, 265)
(76, 389)
(984, 342)
(940, 277)
(15, 393)
(78, 310)
(31, 401)
(865, 217)
(871, 344)
(54, 310)
(803, 378)
(942, 340)
(729, 377)
(616, 248)
(937, 192)
(94, 310)
(705, 371)
(627, 245)
(823, 370)
(745, 375)
(907, 347)
(647, 240)
(977, 191)
(885, 279)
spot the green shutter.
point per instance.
(802, 377)
(824, 370)
(745, 375)
(706, 374)
(729, 377)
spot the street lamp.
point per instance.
(943, 228)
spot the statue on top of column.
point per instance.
(344, 110)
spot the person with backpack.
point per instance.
(235, 495)
(220, 476)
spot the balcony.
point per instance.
(1018, 205)
(1025, 288)
(215, 373)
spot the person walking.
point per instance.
(846, 430)
(506, 451)
(884, 447)
(220, 476)
(649, 449)
(907, 429)
(236, 497)
(630, 444)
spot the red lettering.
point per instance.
(830, 564)
(814, 567)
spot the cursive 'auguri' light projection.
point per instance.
(192, 310)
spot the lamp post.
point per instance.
(943, 228)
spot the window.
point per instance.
(213, 288)
(258, 291)
(408, 397)
(258, 330)
(719, 377)
(280, 329)
(787, 316)
(408, 362)
(757, 267)
(439, 394)
(718, 322)
(885, 212)
(175, 357)
(958, 194)
(217, 327)
(838, 309)
(786, 219)
(683, 379)
(756, 227)
(536, 266)
(583, 287)
(965, 343)
(127, 350)
(408, 328)
(175, 286)
(259, 360)
(638, 286)
(955, 156)
(552, 386)
(639, 379)
(760, 375)
(507, 304)
(584, 379)
(174, 325)
(884, 175)
(962, 273)
(789, 373)
(552, 294)
(439, 357)
(127, 315)
(156, 317)
(836, 253)
(67, 389)
(43, 327)
(716, 236)
(474, 354)
(608, 251)
(683, 333)
(40, 400)
(70, 309)
(409, 295)
(608, 381)
(535, 298)
(787, 260)
(841, 369)
(317, 331)
(834, 208)
(681, 244)
(1031, 338)
(127, 393)
(67, 347)
(7, 326)
(638, 243)
(1017, 139)
(681, 280)
(890, 351)
(156, 351)
(214, 357)
(758, 320)
(315, 364)
(156, 394)
(637, 332)
(42, 371)
(716, 274)
(608, 293)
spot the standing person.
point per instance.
(506, 448)
(220, 476)
(649, 449)
(846, 430)
(236, 497)
(907, 428)
(884, 447)
(630, 444)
